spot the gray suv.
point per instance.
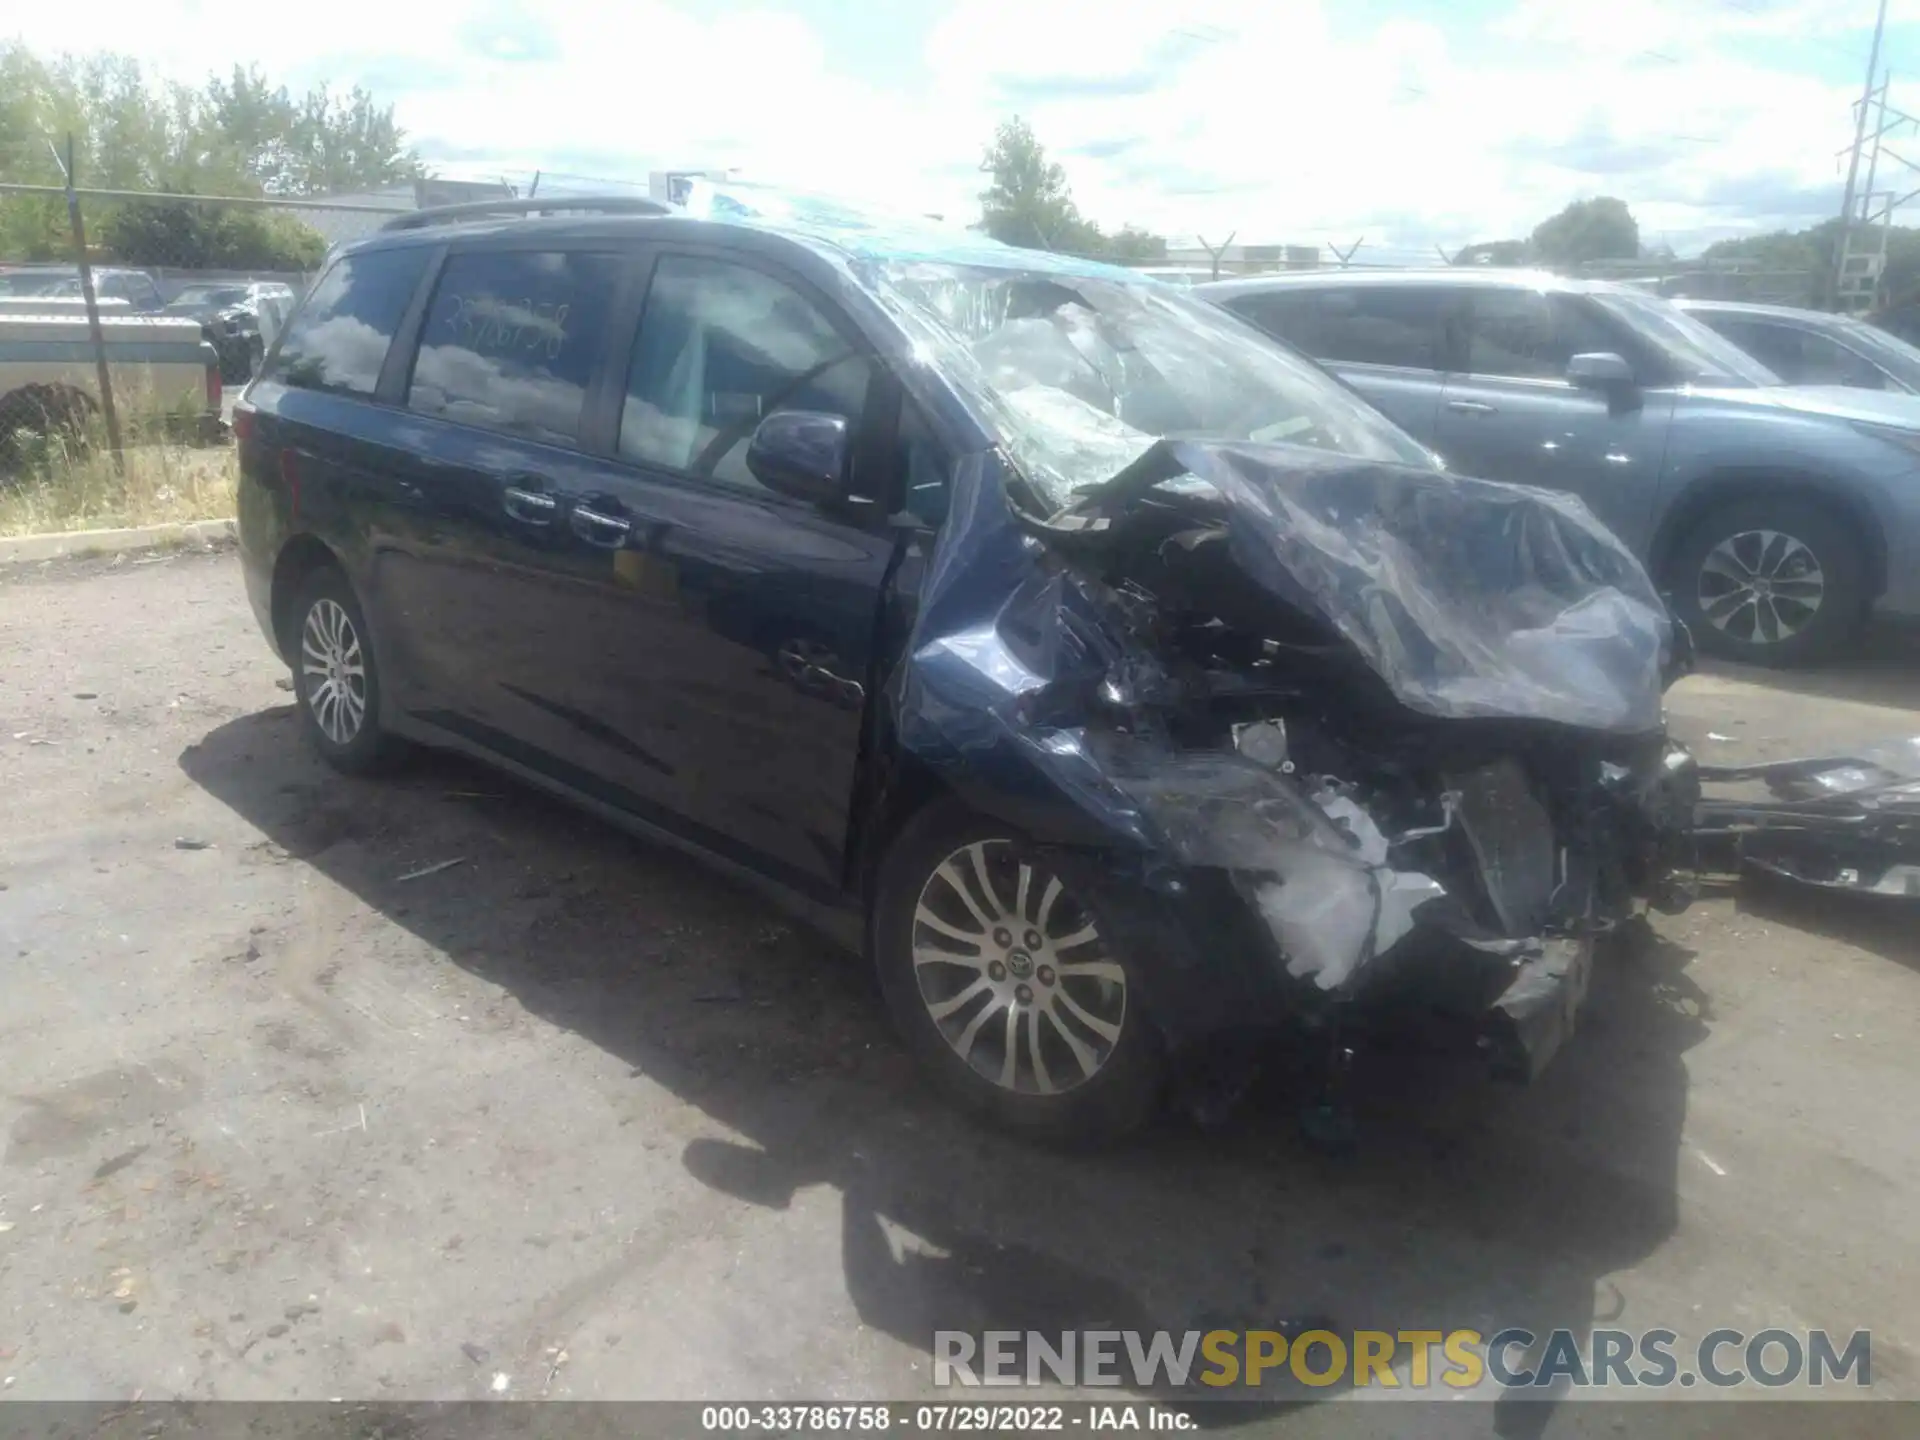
(1810, 347)
(1774, 517)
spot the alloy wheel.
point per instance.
(1014, 972)
(1761, 586)
(335, 669)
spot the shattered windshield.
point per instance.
(1080, 373)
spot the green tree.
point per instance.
(1028, 202)
(209, 237)
(1598, 229)
(238, 136)
(1131, 244)
(1815, 251)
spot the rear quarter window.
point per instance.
(512, 338)
(339, 340)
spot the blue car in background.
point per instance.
(1774, 517)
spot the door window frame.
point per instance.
(1888, 384)
(396, 376)
(1447, 336)
(874, 437)
(1653, 371)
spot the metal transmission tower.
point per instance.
(1861, 261)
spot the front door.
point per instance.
(734, 627)
(1513, 416)
(1386, 340)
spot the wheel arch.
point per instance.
(299, 558)
(908, 787)
(1741, 483)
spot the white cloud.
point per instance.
(1266, 117)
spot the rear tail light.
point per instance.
(214, 392)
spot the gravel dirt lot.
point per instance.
(575, 1118)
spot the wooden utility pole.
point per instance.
(93, 313)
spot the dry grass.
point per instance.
(48, 486)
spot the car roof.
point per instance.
(1753, 307)
(771, 236)
(1461, 276)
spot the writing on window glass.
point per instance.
(492, 325)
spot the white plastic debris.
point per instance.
(426, 870)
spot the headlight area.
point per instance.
(1299, 879)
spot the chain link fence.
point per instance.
(128, 323)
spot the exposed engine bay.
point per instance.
(1409, 792)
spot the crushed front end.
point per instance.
(1321, 735)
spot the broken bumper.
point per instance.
(1536, 1014)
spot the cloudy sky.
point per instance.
(1404, 123)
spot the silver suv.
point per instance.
(1773, 517)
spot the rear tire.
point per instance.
(1010, 991)
(336, 680)
(1771, 581)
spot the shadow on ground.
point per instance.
(1883, 925)
(1466, 1204)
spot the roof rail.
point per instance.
(545, 205)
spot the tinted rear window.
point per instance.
(339, 339)
(512, 338)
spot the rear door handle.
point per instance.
(597, 527)
(529, 507)
(1472, 407)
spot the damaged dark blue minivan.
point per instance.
(1117, 681)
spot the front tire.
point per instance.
(1007, 986)
(336, 681)
(1770, 581)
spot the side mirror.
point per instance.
(1600, 370)
(801, 454)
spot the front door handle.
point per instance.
(597, 527)
(529, 507)
(1472, 407)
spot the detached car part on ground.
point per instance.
(1841, 822)
(1187, 746)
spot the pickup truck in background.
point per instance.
(135, 289)
(164, 371)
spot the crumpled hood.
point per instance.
(1469, 598)
(1033, 689)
